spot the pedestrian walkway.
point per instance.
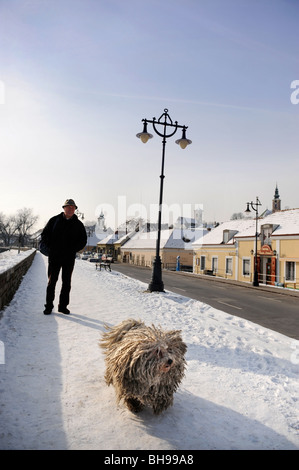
(240, 389)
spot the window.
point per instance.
(214, 264)
(246, 267)
(229, 266)
(202, 263)
(266, 232)
(290, 271)
(228, 235)
(225, 236)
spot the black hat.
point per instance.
(69, 202)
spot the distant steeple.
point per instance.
(276, 202)
(101, 223)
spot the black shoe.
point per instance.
(63, 310)
(48, 310)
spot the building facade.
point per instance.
(217, 252)
(177, 242)
(229, 250)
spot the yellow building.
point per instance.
(141, 248)
(216, 253)
(280, 234)
(229, 250)
(111, 245)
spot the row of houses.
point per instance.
(227, 250)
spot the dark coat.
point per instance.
(64, 237)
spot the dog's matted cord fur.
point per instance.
(144, 363)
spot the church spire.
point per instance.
(276, 202)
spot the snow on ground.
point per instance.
(240, 390)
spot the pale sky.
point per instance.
(78, 76)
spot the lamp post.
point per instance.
(168, 128)
(254, 206)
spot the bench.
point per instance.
(105, 263)
(209, 272)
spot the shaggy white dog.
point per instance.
(145, 364)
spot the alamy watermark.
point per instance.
(295, 94)
(174, 215)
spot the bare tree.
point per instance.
(237, 215)
(89, 227)
(8, 228)
(25, 220)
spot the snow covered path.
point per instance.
(240, 390)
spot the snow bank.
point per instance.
(10, 258)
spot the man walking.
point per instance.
(64, 235)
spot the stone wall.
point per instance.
(11, 279)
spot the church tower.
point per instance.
(276, 202)
(101, 223)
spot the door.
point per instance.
(273, 270)
(268, 273)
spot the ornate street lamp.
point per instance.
(254, 206)
(156, 284)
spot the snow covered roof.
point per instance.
(286, 222)
(116, 238)
(171, 238)
(109, 239)
(234, 227)
(184, 237)
(147, 240)
(95, 238)
(125, 237)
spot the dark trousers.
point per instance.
(54, 266)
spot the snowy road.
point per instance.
(270, 307)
